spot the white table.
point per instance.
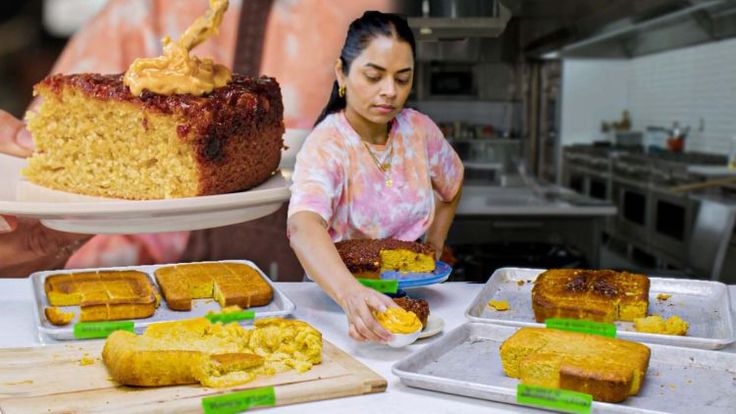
(449, 300)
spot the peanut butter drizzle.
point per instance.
(178, 72)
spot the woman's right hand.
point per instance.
(359, 302)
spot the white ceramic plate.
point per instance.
(435, 325)
(96, 215)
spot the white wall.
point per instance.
(687, 85)
(592, 91)
(684, 85)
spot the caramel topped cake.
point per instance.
(94, 137)
(420, 307)
(598, 295)
(367, 258)
(172, 126)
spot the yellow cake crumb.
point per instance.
(86, 361)
(674, 325)
(499, 305)
(663, 296)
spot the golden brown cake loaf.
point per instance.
(103, 295)
(609, 369)
(367, 258)
(228, 283)
(94, 137)
(597, 295)
(214, 355)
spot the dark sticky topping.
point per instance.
(364, 255)
(578, 284)
(604, 288)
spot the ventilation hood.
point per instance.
(437, 20)
(692, 23)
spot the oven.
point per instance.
(672, 221)
(634, 211)
(574, 178)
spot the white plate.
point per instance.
(96, 215)
(435, 325)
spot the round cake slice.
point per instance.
(367, 258)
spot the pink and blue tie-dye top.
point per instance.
(336, 177)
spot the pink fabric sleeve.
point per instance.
(446, 168)
(317, 175)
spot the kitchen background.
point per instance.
(594, 133)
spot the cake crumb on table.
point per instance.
(499, 305)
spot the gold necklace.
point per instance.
(384, 166)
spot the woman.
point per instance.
(370, 168)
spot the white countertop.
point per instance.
(449, 300)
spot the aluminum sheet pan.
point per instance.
(703, 304)
(281, 305)
(466, 362)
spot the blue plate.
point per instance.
(408, 280)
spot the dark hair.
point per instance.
(360, 33)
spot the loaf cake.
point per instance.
(227, 282)
(609, 369)
(367, 258)
(420, 307)
(597, 295)
(94, 137)
(103, 295)
(212, 354)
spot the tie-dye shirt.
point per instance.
(336, 177)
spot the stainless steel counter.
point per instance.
(491, 218)
(478, 200)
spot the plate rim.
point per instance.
(277, 191)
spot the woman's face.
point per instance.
(379, 80)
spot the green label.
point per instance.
(231, 316)
(236, 402)
(555, 399)
(383, 286)
(89, 330)
(575, 325)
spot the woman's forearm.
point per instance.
(443, 215)
(317, 254)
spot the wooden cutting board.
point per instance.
(52, 379)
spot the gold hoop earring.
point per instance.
(341, 91)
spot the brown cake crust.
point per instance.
(596, 295)
(236, 130)
(420, 307)
(363, 255)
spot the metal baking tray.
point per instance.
(281, 305)
(704, 305)
(679, 380)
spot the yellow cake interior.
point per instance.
(215, 355)
(406, 261)
(108, 148)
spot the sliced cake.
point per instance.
(367, 258)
